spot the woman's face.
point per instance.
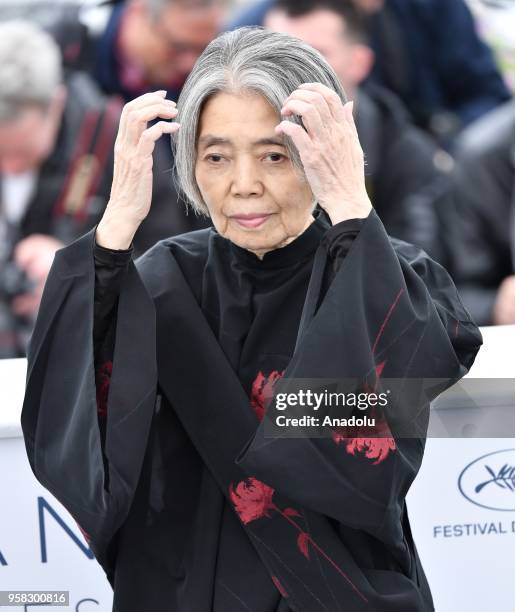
(255, 197)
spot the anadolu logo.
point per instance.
(489, 481)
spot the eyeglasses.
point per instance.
(175, 47)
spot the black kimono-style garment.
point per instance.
(157, 446)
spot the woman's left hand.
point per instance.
(330, 150)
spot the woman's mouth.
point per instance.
(252, 220)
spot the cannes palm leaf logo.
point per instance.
(505, 478)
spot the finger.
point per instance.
(300, 138)
(332, 99)
(315, 98)
(138, 119)
(134, 104)
(309, 113)
(153, 97)
(134, 120)
(150, 136)
(147, 113)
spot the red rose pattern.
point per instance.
(371, 443)
(253, 500)
(262, 391)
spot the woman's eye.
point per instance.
(213, 157)
(276, 157)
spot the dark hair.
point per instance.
(356, 22)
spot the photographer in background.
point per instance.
(483, 231)
(406, 174)
(56, 145)
(129, 48)
(430, 55)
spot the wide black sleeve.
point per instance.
(390, 312)
(93, 473)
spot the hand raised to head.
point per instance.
(329, 149)
(131, 191)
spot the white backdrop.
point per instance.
(32, 521)
(465, 536)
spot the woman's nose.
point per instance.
(246, 180)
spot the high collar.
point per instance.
(299, 249)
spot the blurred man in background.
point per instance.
(429, 53)
(483, 245)
(55, 169)
(406, 173)
(130, 48)
(145, 45)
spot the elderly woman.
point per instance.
(147, 381)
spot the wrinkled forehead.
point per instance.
(241, 117)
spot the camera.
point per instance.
(13, 281)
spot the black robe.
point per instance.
(184, 501)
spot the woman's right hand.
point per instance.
(131, 190)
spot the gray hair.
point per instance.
(30, 67)
(249, 59)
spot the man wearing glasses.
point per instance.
(130, 48)
(149, 44)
